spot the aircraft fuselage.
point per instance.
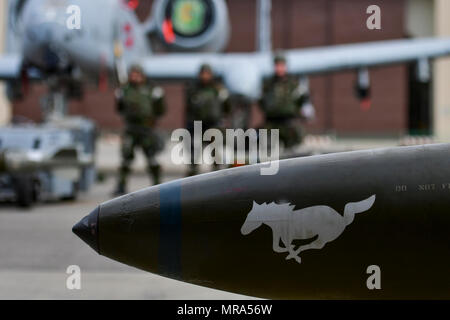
(108, 30)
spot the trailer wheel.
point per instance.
(25, 191)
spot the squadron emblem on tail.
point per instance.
(288, 224)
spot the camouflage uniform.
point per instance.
(140, 106)
(207, 103)
(240, 112)
(282, 101)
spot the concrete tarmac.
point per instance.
(37, 246)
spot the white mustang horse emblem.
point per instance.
(288, 225)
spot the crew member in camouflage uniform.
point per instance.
(140, 105)
(207, 100)
(282, 101)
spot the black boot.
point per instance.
(193, 170)
(155, 172)
(124, 172)
(120, 190)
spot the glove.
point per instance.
(308, 111)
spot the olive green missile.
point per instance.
(362, 225)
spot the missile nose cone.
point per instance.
(87, 229)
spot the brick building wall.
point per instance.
(296, 24)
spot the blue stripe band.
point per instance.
(169, 255)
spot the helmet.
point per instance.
(206, 67)
(279, 58)
(136, 68)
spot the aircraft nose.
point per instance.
(43, 45)
(87, 229)
(41, 33)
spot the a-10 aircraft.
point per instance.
(66, 43)
(47, 43)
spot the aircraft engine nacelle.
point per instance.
(192, 25)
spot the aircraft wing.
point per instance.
(10, 67)
(243, 71)
(362, 55)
